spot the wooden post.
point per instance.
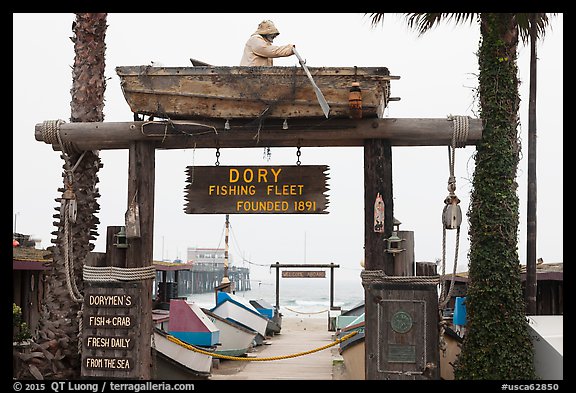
(404, 261)
(141, 178)
(331, 286)
(96, 259)
(277, 287)
(117, 356)
(377, 179)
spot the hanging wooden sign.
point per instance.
(303, 274)
(284, 189)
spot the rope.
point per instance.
(113, 273)
(459, 137)
(379, 277)
(307, 313)
(461, 128)
(444, 299)
(216, 355)
(69, 267)
(173, 124)
(51, 134)
(79, 315)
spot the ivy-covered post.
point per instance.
(497, 344)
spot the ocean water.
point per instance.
(298, 297)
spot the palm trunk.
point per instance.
(497, 344)
(59, 331)
(531, 283)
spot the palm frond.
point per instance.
(424, 21)
(525, 20)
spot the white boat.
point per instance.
(235, 340)
(160, 319)
(173, 361)
(547, 335)
(237, 309)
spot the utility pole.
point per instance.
(225, 279)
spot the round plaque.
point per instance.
(401, 322)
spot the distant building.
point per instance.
(209, 258)
(550, 287)
(208, 269)
(28, 278)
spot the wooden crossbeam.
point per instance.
(270, 133)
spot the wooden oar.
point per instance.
(319, 95)
(199, 63)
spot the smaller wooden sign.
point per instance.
(111, 319)
(303, 274)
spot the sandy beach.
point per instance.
(298, 335)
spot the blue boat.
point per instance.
(239, 310)
(272, 313)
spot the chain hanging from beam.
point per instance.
(298, 154)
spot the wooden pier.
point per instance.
(298, 335)
(183, 279)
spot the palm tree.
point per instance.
(531, 27)
(58, 336)
(497, 344)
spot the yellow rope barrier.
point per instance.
(216, 355)
(299, 312)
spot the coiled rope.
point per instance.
(264, 359)
(51, 134)
(378, 277)
(113, 273)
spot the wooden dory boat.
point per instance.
(353, 350)
(270, 312)
(190, 324)
(347, 317)
(175, 362)
(235, 339)
(239, 310)
(208, 92)
(450, 353)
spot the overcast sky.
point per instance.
(438, 77)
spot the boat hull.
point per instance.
(236, 313)
(174, 361)
(353, 352)
(270, 312)
(235, 340)
(186, 93)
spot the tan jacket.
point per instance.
(259, 52)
